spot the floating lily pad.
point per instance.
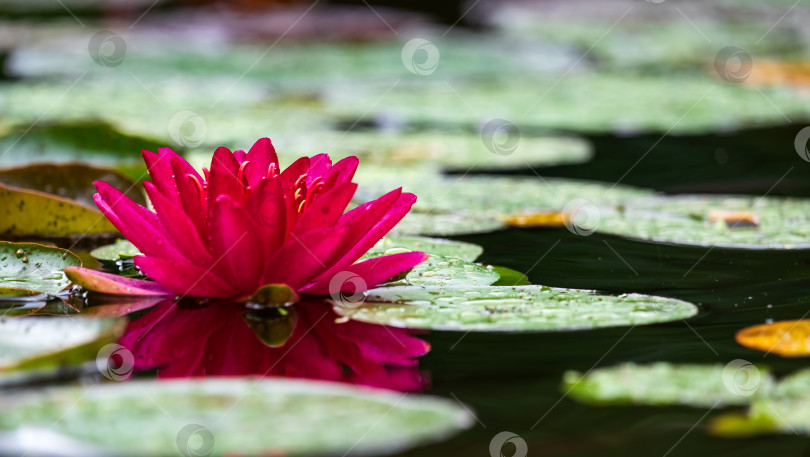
(73, 181)
(722, 221)
(223, 416)
(435, 246)
(511, 309)
(785, 410)
(30, 269)
(447, 224)
(454, 150)
(67, 142)
(120, 250)
(36, 343)
(786, 338)
(49, 200)
(461, 204)
(448, 271)
(664, 384)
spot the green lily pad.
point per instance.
(30, 269)
(38, 343)
(49, 200)
(664, 384)
(448, 271)
(221, 416)
(55, 307)
(785, 410)
(68, 142)
(435, 246)
(454, 150)
(463, 204)
(722, 221)
(73, 181)
(511, 309)
(120, 250)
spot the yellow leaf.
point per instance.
(786, 338)
(541, 219)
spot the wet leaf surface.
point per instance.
(786, 338)
(511, 309)
(664, 384)
(29, 269)
(146, 417)
(47, 343)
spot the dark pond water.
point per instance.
(514, 381)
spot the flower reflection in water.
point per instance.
(306, 340)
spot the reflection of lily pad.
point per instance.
(28, 343)
(522, 308)
(29, 269)
(238, 416)
(742, 222)
(663, 384)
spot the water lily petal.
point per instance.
(180, 228)
(97, 281)
(302, 257)
(326, 209)
(136, 223)
(223, 177)
(267, 207)
(240, 156)
(192, 195)
(184, 278)
(236, 240)
(319, 165)
(341, 172)
(260, 156)
(373, 272)
(160, 170)
(383, 225)
(294, 171)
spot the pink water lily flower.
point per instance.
(247, 223)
